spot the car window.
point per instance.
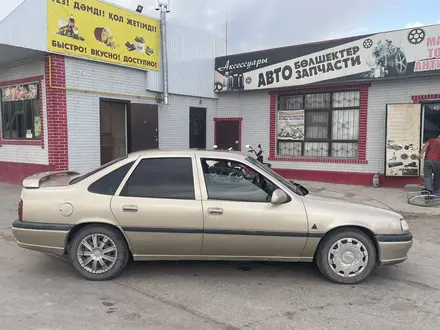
(82, 177)
(161, 178)
(108, 184)
(293, 187)
(235, 181)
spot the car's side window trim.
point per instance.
(196, 181)
(204, 188)
(127, 176)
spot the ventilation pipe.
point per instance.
(164, 8)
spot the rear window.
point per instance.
(82, 177)
(108, 184)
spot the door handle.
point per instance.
(130, 208)
(215, 210)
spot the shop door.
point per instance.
(144, 127)
(197, 128)
(430, 124)
(112, 130)
(227, 134)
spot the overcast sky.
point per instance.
(257, 24)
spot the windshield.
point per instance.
(290, 185)
(82, 177)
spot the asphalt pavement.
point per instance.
(43, 292)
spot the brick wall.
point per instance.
(56, 112)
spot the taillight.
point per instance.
(20, 210)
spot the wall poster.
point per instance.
(19, 92)
(290, 125)
(403, 141)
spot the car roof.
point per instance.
(189, 152)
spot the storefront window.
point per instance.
(318, 125)
(20, 110)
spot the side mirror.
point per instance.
(259, 146)
(279, 197)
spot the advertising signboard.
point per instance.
(99, 31)
(396, 54)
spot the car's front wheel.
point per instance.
(99, 252)
(346, 256)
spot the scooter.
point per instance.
(258, 154)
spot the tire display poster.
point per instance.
(290, 125)
(403, 140)
(395, 54)
(102, 32)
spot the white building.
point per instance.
(67, 111)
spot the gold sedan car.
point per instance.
(201, 205)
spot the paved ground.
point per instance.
(40, 292)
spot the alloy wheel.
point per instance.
(97, 253)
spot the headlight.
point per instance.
(404, 225)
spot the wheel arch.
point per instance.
(84, 224)
(363, 229)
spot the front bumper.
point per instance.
(42, 237)
(393, 249)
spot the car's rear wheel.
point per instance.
(99, 252)
(346, 256)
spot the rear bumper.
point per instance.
(43, 237)
(393, 249)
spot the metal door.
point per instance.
(227, 134)
(197, 128)
(144, 127)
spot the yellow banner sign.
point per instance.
(102, 32)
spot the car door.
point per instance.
(239, 219)
(159, 207)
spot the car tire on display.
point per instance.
(99, 252)
(346, 256)
(398, 62)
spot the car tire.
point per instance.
(346, 256)
(113, 261)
